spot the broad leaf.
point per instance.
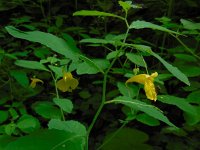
(70, 126)
(28, 123)
(65, 104)
(56, 44)
(47, 110)
(31, 64)
(146, 108)
(48, 140)
(126, 139)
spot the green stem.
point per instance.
(185, 46)
(104, 88)
(57, 95)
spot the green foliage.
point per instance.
(56, 44)
(141, 106)
(127, 138)
(99, 49)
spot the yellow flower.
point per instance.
(147, 80)
(67, 83)
(34, 81)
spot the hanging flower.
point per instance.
(147, 80)
(34, 81)
(67, 83)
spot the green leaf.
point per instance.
(31, 64)
(96, 41)
(57, 70)
(28, 123)
(113, 54)
(144, 24)
(21, 77)
(175, 71)
(142, 48)
(70, 126)
(192, 119)
(56, 44)
(126, 139)
(189, 70)
(10, 128)
(95, 13)
(92, 66)
(129, 91)
(185, 57)
(148, 120)
(4, 116)
(138, 105)
(136, 59)
(48, 140)
(125, 5)
(194, 97)
(179, 102)
(5, 140)
(47, 110)
(190, 25)
(65, 104)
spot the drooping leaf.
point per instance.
(113, 54)
(57, 70)
(144, 24)
(175, 71)
(31, 64)
(21, 77)
(194, 97)
(54, 43)
(179, 102)
(190, 25)
(65, 104)
(96, 41)
(136, 59)
(148, 120)
(141, 106)
(92, 66)
(95, 13)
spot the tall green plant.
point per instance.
(75, 135)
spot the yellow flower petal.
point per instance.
(147, 80)
(138, 78)
(67, 83)
(34, 81)
(150, 90)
